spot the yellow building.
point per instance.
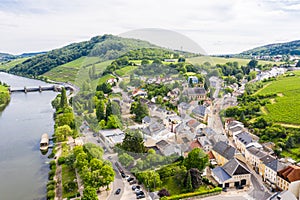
(223, 152)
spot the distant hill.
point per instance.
(287, 48)
(106, 47)
(6, 57)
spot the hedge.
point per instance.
(192, 194)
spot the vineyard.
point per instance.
(285, 108)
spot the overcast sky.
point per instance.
(218, 26)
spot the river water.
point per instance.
(23, 169)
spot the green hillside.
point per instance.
(221, 60)
(288, 48)
(285, 108)
(106, 47)
(10, 64)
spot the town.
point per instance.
(238, 162)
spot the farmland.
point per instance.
(79, 67)
(220, 60)
(283, 109)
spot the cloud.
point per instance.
(218, 26)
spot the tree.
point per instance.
(63, 99)
(133, 142)
(89, 193)
(62, 132)
(140, 110)
(100, 110)
(126, 160)
(252, 64)
(108, 110)
(145, 62)
(195, 177)
(113, 122)
(81, 161)
(188, 182)
(196, 159)
(163, 192)
(107, 174)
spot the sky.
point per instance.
(217, 26)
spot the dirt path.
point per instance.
(58, 176)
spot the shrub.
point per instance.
(50, 194)
(61, 160)
(51, 174)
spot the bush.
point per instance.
(197, 193)
(50, 194)
(61, 160)
(52, 164)
(69, 186)
(50, 187)
(51, 174)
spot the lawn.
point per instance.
(10, 64)
(221, 60)
(68, 175)
(285, 108)
(171, 186)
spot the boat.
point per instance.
(44, 144)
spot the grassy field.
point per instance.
(125, 70)
(221, 60)
(68, 175)
(285, 108)
(8, 65)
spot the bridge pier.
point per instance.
(25, 89)
(40, 89)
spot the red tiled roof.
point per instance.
(195, 144)
(210, 155)
(291, 173)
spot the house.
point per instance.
(153, 129)
(205, 143)
(112, 136)
(262, 164)
(139, 92)
(253, 156)
(196, 93)
(174, 93)
(214, 81)
(271, 170)
(111, 81)
(288, 178)
(233, 174)
(200, 113)
(193, 79)
(167, 148)
(194, 125)
(233, 127)
(242, 140)
(213, 136)
(146, 120)
(184, 109)
(223, 152)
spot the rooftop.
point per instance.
(276, 165)
(225, 150)
(290, 174)
(244, 137)
(235, 167)
(257, 152)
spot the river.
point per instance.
(23, 169)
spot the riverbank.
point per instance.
(4, 97)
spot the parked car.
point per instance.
(127, 177)
(137, 190)
(123, 175)
(140, 193)
(135, 187)
(132, 182)
(118, 191)
(130, 179)
(140, 196)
